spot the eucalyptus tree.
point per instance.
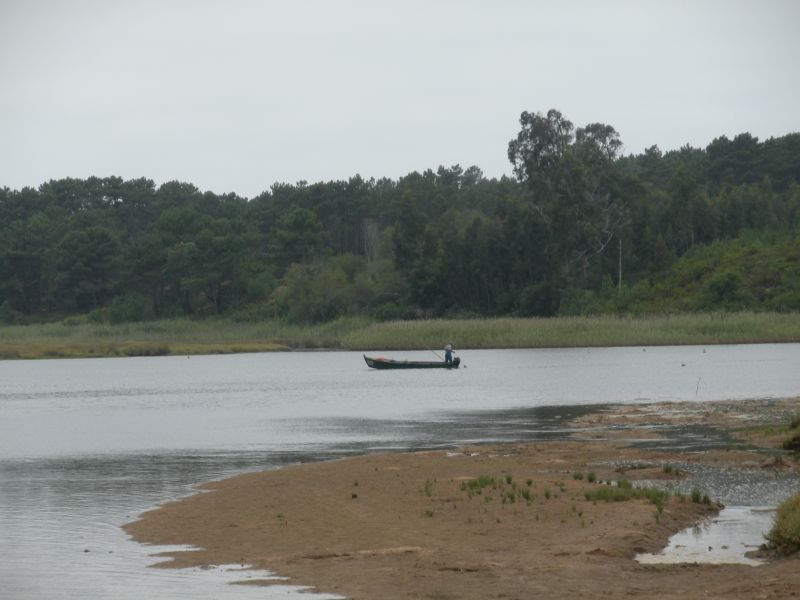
(574, 186)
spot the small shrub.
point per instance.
(591, 477)
(785, 533)
(577, 476)
(795, 422)
(793, 443)
(696, 496)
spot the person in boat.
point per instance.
(448, 354)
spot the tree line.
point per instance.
(578, 228)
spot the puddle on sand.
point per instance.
(724, 539)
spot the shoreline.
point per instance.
(13, 351)
(416, 525)
(224, 336)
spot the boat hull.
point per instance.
(388, 363)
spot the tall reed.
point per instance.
(183, 336)
(715, 328)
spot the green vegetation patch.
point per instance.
(710, 328)
(478, 484)
(76, 338)
(624, 491)
(785, 533)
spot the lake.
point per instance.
(88, 444)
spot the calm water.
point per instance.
(86, 445)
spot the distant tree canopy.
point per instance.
(580, 228)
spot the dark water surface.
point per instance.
(86, 445)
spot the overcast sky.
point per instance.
(235, 95)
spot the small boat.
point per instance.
(387, 363)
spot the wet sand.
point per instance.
(409, 525)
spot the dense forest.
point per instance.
(579, 229)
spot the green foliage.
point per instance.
(131, 308)
(690, 230)
(785, 533)
(342, 285)
(624, 491)
(478, 484)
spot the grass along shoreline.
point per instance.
(222, 336)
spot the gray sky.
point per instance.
(234, 95)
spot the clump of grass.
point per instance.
(529, 482)
(696, 496)
(509, 479)
(785, 533)
(591, 477)
(547, 493)
(624, 491)
(577, 475)
(794, 423)
(428, 490)
(668, 469)
(478, 484)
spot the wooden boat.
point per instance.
(387, 363)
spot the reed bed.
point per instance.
(175, 336)
(213, 336)
(717, 328)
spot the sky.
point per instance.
(236, 95)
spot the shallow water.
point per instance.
(86, 445)
(724, 539)
(749, 497)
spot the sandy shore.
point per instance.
(411, 526)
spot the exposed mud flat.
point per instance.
(416, 526)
